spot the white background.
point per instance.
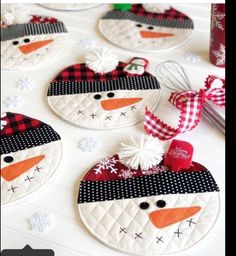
(69, 237)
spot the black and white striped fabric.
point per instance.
(149, 185)
(124, 83)
(172, 23)
(28, 139)
(20, 30)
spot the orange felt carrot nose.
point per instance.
(152, 34)
(166, 217)
(112, 104)
(12, 171)
(28, 48)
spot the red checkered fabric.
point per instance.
(17, 123)
(190, 104)
(80, 72)
(168, 14)
(216, 94)
(43, 19)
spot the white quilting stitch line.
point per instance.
(173, 235)
(56, 49)
(105, 27)
(114, 221)
(48, 172)
(59, 104)
(134, 218)
(202, 212)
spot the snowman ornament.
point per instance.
(30, 40)
(136, 203)
(136, 66)
(103, 93)
(30, 154)
(146, 27)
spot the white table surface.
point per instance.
(69, 237)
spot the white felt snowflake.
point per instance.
(216, 18)
(14, 102)
(108, 164)
(88, 43)
(128, 173)
(220, 55)
(88, 144)
(193, 57)
(41, 222)
(155, 170)
(26, 84)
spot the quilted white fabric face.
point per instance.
(85, 111)
(125, 34)
(121, 224)
(13, 58)
(70, 6)
(36, 176)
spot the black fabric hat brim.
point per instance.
(171, 23)
(147, 185)
(21, 30)
(123, 83)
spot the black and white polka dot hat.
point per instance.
(19, 132)
(112, 180)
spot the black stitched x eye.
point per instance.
(139, 25)
(97, 97)
(161, 203)
(8, 159)
(150, 27)
(144, 205)
(110, 95)
(15, 42)
(26, 40)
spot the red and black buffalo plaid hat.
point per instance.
(19, 132)
(38, 25)
(170, 18)
(78, 79)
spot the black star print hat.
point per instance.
(19, 132)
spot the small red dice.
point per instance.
(179, 155)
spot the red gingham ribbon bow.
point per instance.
(190, 104)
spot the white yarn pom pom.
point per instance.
(156, 8)
(15, 16)
(141, 151)
(101, 60)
